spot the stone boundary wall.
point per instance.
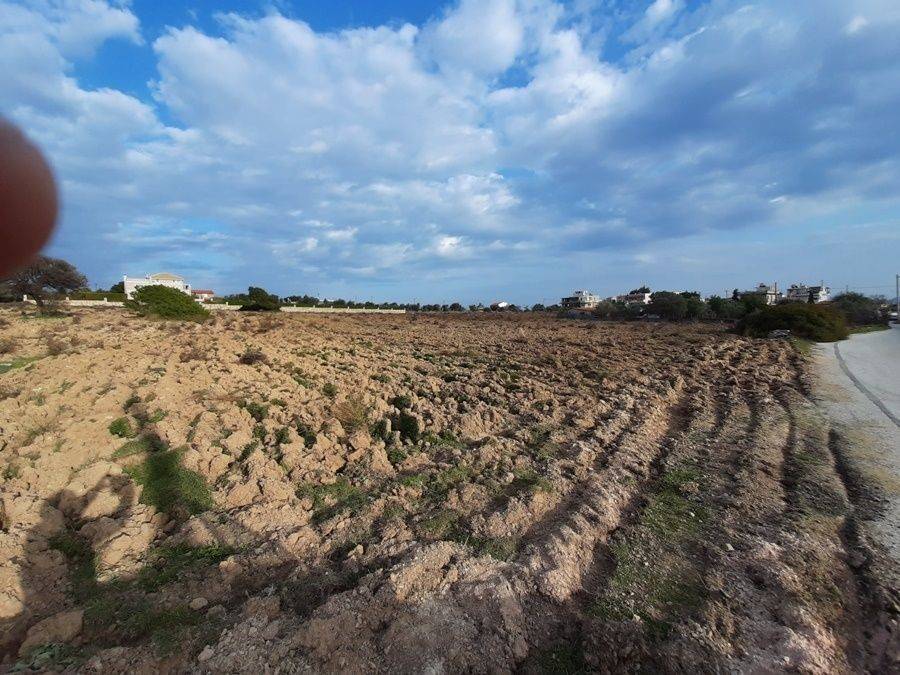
(342, 310)
(219, 307)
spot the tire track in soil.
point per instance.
(563, 623)
(864, 605)
(730, 446)
(563, 559)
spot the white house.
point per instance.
(770, 294)
(802, 293)
(581, 300)
(633, 298)
(160, 279)
(202, 294)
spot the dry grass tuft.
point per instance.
(352, 413)
(8, 345)
(252, 356)
(56, 346)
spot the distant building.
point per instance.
(770, 294)
(581, 300)
(803, 293)
(161, 279)
(202, 294)
(633, 298)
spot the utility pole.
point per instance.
(897, 295)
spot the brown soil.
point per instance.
(425, 493)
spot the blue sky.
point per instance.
(470, 151)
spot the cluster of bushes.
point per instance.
(687, 305)
(822, 323)
(166, 303)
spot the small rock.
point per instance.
(216, 612)
(199, 603)
(206, 654)
(268, 607)
(62, 627)
(729, 548)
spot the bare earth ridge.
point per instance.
(426, 493)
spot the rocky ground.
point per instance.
(424, 493)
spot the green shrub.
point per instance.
(400, 402)
(169, 486)
(307, 434)
(408, 426)
(121, 427)
(821, 323)
(859, 309)
(258, 411)
(258, 300)
(98, 295)
(166, 303)
(329, 390)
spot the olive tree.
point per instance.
(44, 277)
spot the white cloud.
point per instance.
(477, 36)
(496, 128)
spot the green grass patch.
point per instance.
(258, 411)
(414, 480)
(442, 525)
(656, 575)
(167, 563)
(20, 362)
(528, 480)
(330, 390)
(443, 481)
(445, 439)
(868, 328)
(169, 486)
(539, 445)
(122, 428)
(81, 562)
(802, 346)
(334, 498)
(142, 444)
(563, 660)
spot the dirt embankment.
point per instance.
(396, 494)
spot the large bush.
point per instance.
(166, 303)
(668, 305)
(821, 323)
(259, 300)
(859, 309)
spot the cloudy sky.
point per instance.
(473, 150)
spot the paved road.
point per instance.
(859, 386)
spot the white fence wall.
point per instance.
(221, 307)
(341, 310)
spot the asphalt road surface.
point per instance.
(859, 386)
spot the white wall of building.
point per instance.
(170, 280)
